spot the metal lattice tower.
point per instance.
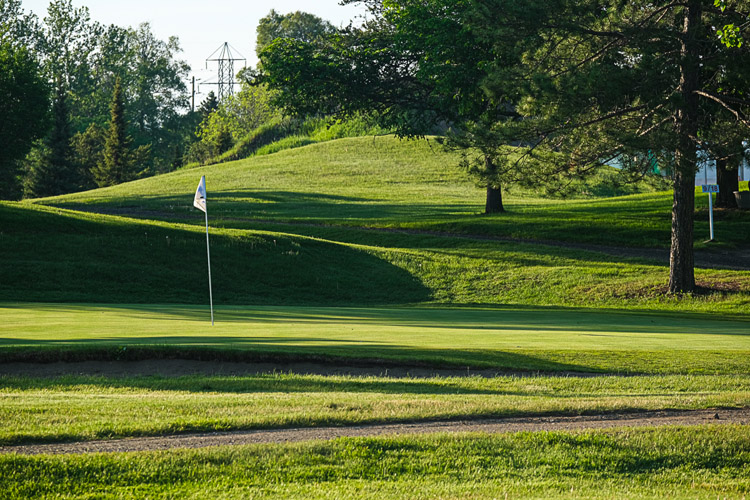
(227, 55)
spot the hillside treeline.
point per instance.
(75, 64)
(92, 105)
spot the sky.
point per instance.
(201, 26)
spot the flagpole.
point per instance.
(210, 288)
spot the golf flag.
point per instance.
(200, 195)
(199, 202)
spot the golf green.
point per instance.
(367, 328)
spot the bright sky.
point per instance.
(201, 26)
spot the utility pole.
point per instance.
(192, 102)
(225, 56)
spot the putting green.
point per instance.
(415, 328)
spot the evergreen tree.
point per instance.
(574, 85)
(116, 165)
(88, 152)
(208, 106)
(52, 172)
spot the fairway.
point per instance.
(479, 337)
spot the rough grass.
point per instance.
(608, 315)
(702, 463)
(81, 408)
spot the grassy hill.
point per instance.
(387, 183)
(351, 222)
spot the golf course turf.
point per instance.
(369, 258)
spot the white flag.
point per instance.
(200, 195)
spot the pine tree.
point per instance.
(116, 165)
(208, 106)
(53, 172)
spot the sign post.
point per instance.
(710, 189)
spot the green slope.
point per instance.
(63, 256)
(384, 182)
(296, 228)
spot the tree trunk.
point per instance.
(681, 272)
(494, 202)
(728, 183)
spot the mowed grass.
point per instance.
(699, 463)
(64, 256)
(384, 182)
(505, 339)
(304, 268)
(75, 408)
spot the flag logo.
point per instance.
(200, 196)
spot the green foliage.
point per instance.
(16, 27)
(731, 34)
(88, 147)
(24, 111)
(278, 134)
(231, 121)
(208, 106)
(54, 173)
(118, 164)
(295, 25)
(88, 57)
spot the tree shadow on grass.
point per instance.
(281, 350)
(483, 319)
(229, 207)
(66, 257)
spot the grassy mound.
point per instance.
(63, 256)
(386, 183)
(296, 227)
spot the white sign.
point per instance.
(710, 188)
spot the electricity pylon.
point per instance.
(226, 57)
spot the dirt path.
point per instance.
(547, 423)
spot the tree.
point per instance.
(414, 66)
(232, 120)
(88, 153)
(153, 81)
(608, 80)
(574, 85)
(53, 172)
(208, 106)
(24, 111)
(67, 45)
(118, 163)
(295, 25)
(16, 27)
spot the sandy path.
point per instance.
(547, 423)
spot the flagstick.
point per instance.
(210, 288)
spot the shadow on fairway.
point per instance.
(232, 207)
(282, 351)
